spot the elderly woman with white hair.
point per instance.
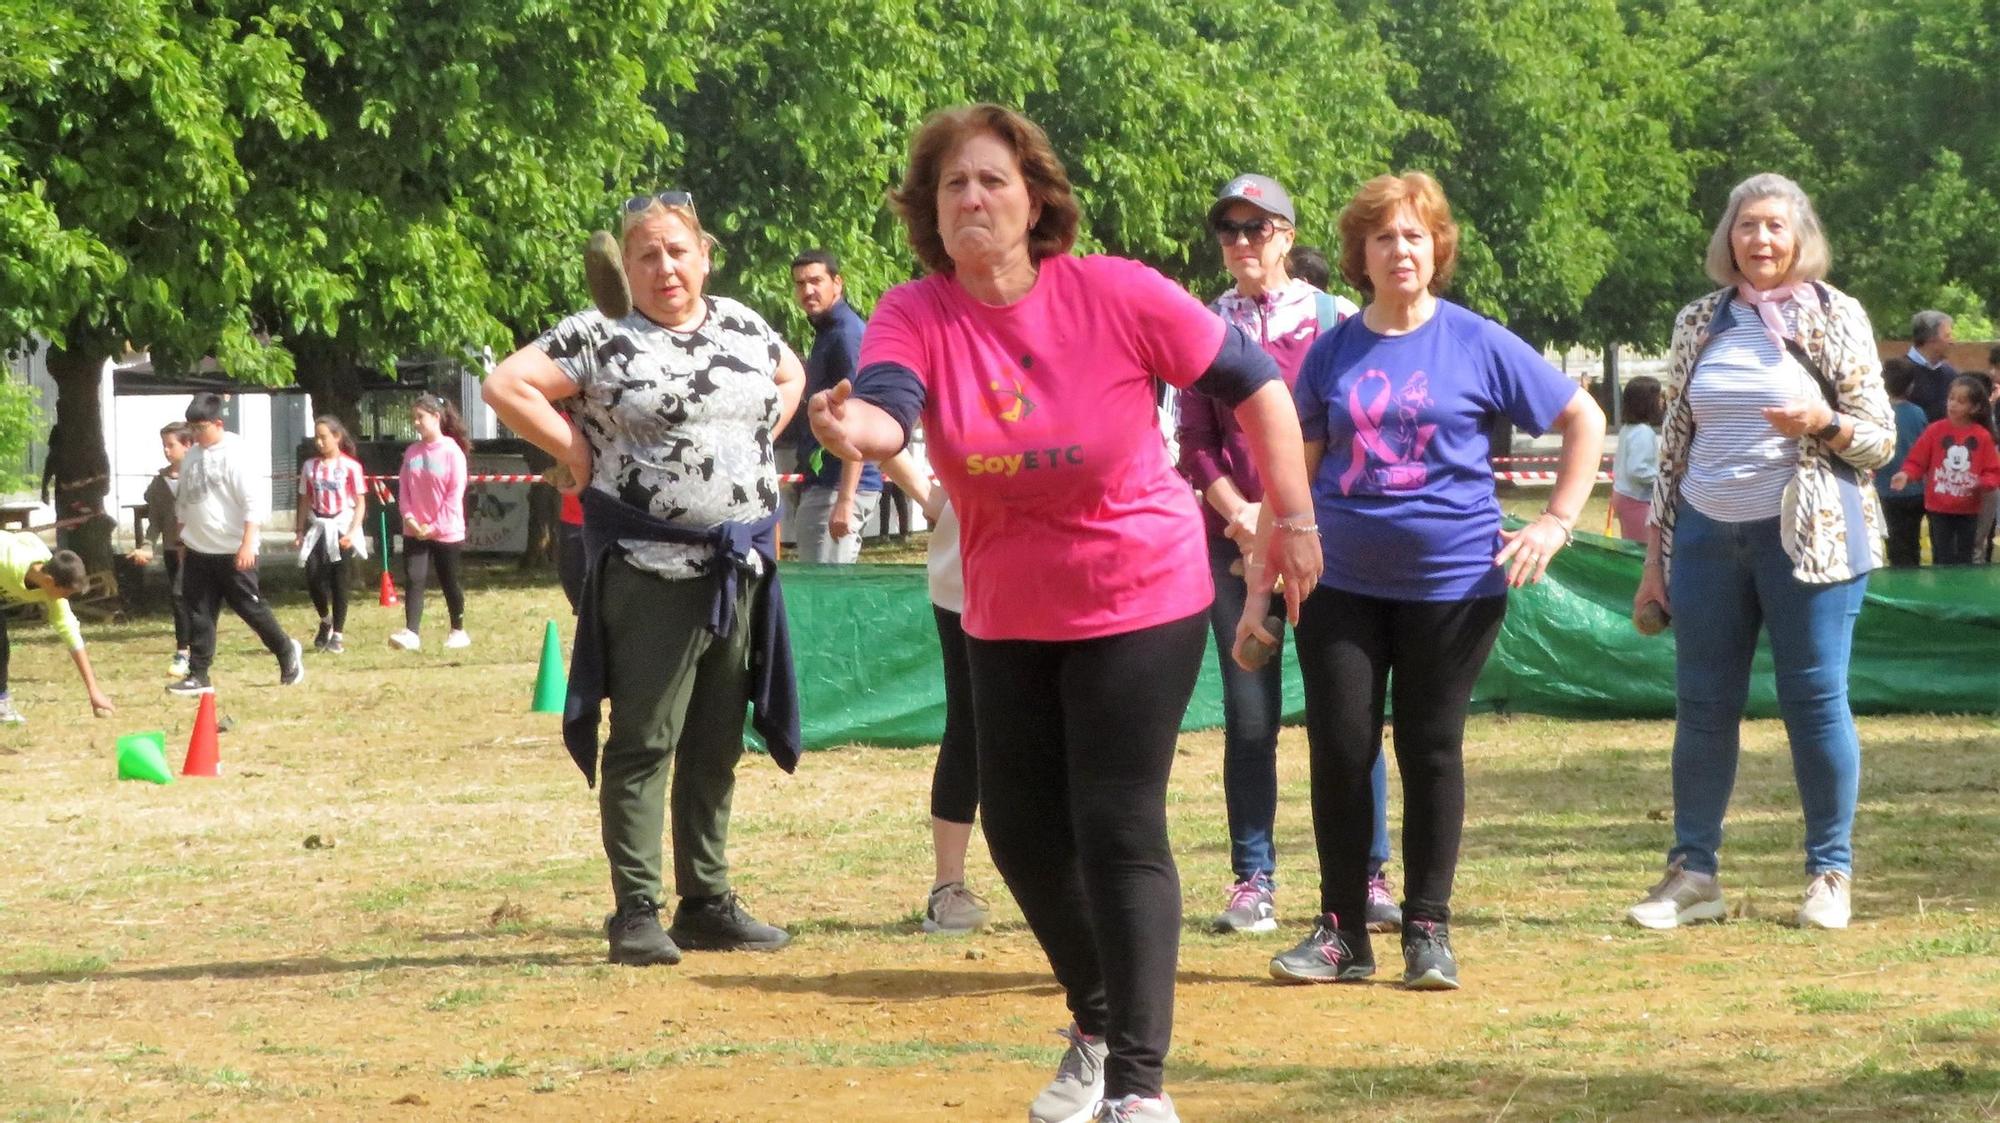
(681, 623)
(1764, 519)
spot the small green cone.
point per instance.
(143, 756)
(550, 683)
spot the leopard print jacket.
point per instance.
(1830, 491)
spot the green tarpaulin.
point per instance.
(1928, 641)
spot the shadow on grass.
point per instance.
(300, 967)
(1462, 1090)
(917, 984)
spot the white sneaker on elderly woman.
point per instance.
(1829, 901)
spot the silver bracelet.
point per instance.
(1569, 536)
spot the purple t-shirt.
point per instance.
(1404, 494)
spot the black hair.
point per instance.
(340, 435)
(818, 256)
(205, 406)
(1308, 264)
(1979, 388)
(1898, 375)
(449, 422)
(1641, 402)
(66, 569)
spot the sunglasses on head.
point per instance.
(639, 203)
(1257, 231)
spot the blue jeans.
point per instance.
(1252, 709)
(1730, 579)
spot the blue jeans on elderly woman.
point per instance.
(1253, 708)
(1728, 582)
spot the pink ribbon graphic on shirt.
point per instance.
(1403, 473)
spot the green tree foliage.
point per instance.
(799, 118)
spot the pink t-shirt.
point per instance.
(1039, 419)
(432, 488)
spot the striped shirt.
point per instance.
(1738, 465)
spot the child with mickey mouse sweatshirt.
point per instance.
(1958, 464)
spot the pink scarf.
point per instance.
(1767, 303)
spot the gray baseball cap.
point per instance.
(1260, 191)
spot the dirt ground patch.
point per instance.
(181, 952)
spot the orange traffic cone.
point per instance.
(389, 597)
(202, 758)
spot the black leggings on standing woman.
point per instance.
(327, 581)
(419, 556)
(955, 779)
(1076, 740)
(1347, 646)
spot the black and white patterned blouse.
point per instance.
(679, 423)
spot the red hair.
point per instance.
(1376, 204)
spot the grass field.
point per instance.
(390, 907)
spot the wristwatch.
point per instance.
(1830, 430)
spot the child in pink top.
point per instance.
(431, 493)
(332, 507)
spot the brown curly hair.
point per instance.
(940, 135)
(1375, 204)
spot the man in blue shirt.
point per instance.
(838, 498)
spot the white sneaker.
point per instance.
(1829, 901)
(1681, 897)
(1074, 1095)
(179, 667)
(404, 639)
(1134, 1109)
(457, 639)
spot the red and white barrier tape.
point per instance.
(1540, 477)
(478, 478)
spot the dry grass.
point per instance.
(182, 953)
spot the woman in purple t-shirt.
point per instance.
(1397, 406)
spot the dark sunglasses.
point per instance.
(1257, 231)
(639, 203)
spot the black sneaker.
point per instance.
(720, 924)
(320, 637)
(636, 937)
(1428, 963)
(1331, 954)
(291, 667)
(190, 686)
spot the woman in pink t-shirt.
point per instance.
(431, 493)
(1085, 564)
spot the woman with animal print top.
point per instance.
(1764, 519)
(674, 407)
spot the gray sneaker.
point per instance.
(1133, 1109)
(8, 714)
(1251, 907)
(1428, 963)
(1384, 914)
(1073, 1096)
(954, 909)
(1682, 897)
(1330, 954)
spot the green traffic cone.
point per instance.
(143, 756)
(550, 683)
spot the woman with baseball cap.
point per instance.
(1255, 224)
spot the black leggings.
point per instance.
(327, 581)
(419, 554)
(955, 780)
(1951, 538)
(1076, 740)
(1348, 645)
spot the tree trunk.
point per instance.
(79, 465)
(327, 372)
